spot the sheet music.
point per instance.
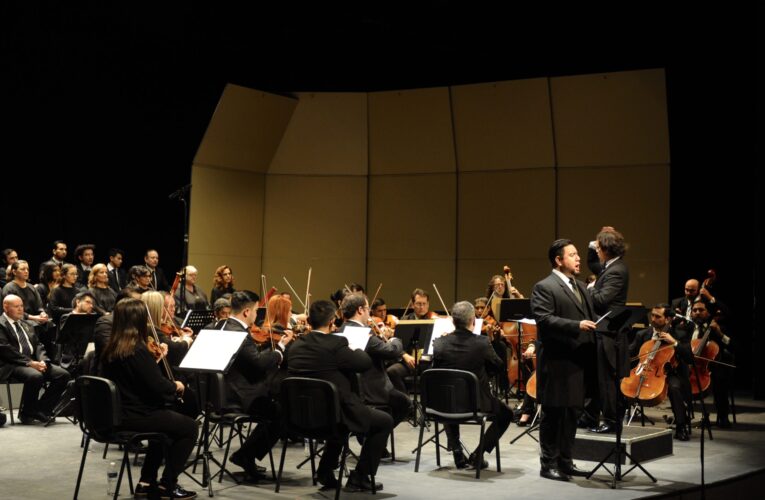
(213, 350)
(442, 326)
(358, 336)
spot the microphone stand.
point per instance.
(180, 195)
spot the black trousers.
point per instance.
(400, 404)
(380, 425)
(181, 430)
(267, 433)
(557, 431)
(500, 422)
(396, 372)
(722, 383)
(679, 391)
(33, 382)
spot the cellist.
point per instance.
(701, 314)
(679, 388)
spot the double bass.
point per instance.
(647, 382)
(517, 336)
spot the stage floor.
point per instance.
(42, 462)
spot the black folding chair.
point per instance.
(451, 397)
(311, 410)
(100, 417)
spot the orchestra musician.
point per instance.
(462, 350)
(405, 366)
(146, 395)
(375, 386)
(722, 376)
(328, 357)
(248, 382)
(679, 389)
(563, 312)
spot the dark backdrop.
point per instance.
(106, 90)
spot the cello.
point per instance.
(704, 350)
(647, 382)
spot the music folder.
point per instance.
(621, 317)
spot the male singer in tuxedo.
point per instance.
(23, 357)
(563, 312)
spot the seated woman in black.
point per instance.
(147, 397)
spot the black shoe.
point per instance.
(604, 429)
(476, 462)
(586, 423)
(553, 474)
(327, 479)
(31, 418)
(247, 464)
(523, 423)
(385, 453)
(681, 433)
(146, 490)
(357, 482)
(460, 461)
(175, 493)
(723, 422)
(573, 470)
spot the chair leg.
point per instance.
(225, 453)
(342, 466)
(479, 455)
(106, 448)
(311, 446)
(125, 463)
(10, 402)
(82, 465)
(281, 466)
(438, 446)
(733, 405)
(419, 447)
(392, 446)
(496, 450)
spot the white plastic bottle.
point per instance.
(111, 478)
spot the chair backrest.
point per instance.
(99, 405)
(311, 407)
(450, 392)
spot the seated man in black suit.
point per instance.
(375, 386)
(463, 350)
(328, 357)
(24, 358)
(679, 389)
(248, 384)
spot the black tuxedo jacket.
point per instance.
(463, 350)
(113, 279)
(158, 280)
(375, 385)
(10, 355)
(328, 357)
(565, 348)
(248, 377)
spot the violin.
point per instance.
(154, 348)
(647, 382)
(265, 335)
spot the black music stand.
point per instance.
(213, 351)
(515, 310)
(74, 335)
(617, 324)
(197, 319)
(415, 334)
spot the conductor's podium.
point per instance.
(642, 443)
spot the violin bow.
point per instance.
(442, 300)
(307, 288)
(268, 316)
(375, 297)
(293, 291)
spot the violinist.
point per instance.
(248, 385)
(491, 329)
(380, 310)
(679, 389)
(376, 388)
(223, 283)
(146, 395)
(722, 376)
(405, 367)
(169, 324)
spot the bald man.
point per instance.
(23, 357)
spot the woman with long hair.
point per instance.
(147, 398)
(223, 283)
